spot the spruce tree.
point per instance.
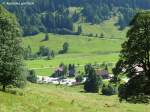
(79, 30)
(46, 38)
(93, 81)
(52, 54)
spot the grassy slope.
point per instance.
(78, 44)
(108, 28)
(49, 98)
(82, 49)
(46, 67)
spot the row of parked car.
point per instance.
(61, 81)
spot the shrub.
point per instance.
(49, 56)
(32, 76)
(22, 80)
(43, 51)
(46, 38)
(27, 53)
(65, 48)
(90, 35)
(65, 31)
(102, 35)
(30, 30)
(109, 90)
(79, 78)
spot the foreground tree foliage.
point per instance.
(135, 60)
(10, 50)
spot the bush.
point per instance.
(102, 35)
(22, 80)
(61, 52)
(27, 53)
(65, 48)
(90, 35)
(32, 76)
(46, 38)
(43, 51)
(30, 30)
(65, 31)
(79, 78)
(109, 90)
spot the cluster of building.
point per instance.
(58, 77)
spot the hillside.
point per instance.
(108, 28)
(57, 15)
(110, 43)
(78, 44)
(49, 98)
(82, 50)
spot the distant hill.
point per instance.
(61, 15)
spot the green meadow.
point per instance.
(52, 98)
(46, 67)
(108, 28)
(77, 44)
(82, 50)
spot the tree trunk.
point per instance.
(4, 88)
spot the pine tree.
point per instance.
(79, 30)
(106, 67)
(49, 55)
(66, 47)
(93, 81)
(46, 37)
(52, 54)
(27, 53)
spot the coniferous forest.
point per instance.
(55, 16)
